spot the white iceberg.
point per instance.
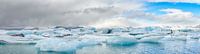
(34, 37)
(175, 38)
(61, 44)
(3, 32)
(54, 44)
(15, 40)
(151, 39)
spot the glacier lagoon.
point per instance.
(88, 40)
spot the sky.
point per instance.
(99, 13)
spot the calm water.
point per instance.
(170, 47)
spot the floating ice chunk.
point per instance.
(181, 38)
(15, 40)
(94, 37)
(175, 38)
(34, 37)
(51, 34)
(3, 32)
(146, 35)
(13, 32)
(61, 31)
(117, 30)
(105, 31)
(119, 40)
(59, 44)
(195, 37)
(24, 32)
(27, 32)
(54, 44)
(151, 39)
(167, 38)
(141, 36)
(89, 40)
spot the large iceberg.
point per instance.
(60, 44)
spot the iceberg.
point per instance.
(61, 44)
(55, 44)
(3, 32)
(6, 39)
(175, 38)
(34, 37)
(121, 41)
(151, 39)
(92, 39)
(12, 32)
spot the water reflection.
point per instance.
(166, 47)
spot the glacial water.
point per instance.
(166, 47)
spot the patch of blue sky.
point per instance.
(155, 7)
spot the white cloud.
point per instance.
(118, 22)
(170, 18)
(176, 13)
(186, 1)
(177, 17)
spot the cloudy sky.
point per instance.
(99, 12)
